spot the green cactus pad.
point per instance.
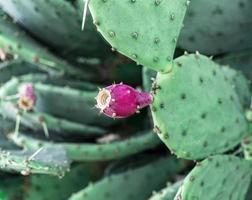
(95, 151)
(48, 187)
(218, 177)
(190, 109)
(13, 40)
(211, 29)
(51, 160)
(241, 84)
(240, 61)
(145, 31)
(131, 184)
(58, 24)
(16, 67)
(168, 193)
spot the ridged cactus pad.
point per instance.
(190, 109)
(218, 177)
(145, 31)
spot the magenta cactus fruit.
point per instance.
(121, 101)
(27, 97)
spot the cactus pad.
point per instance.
(190, 109)
(240, 61)
(168, 193)
(52, 160)
(95, 151)
(210, 29)
(241, 84)
(48, 187)
(56, 21)
(218, 177)
(132, 182)
(144, 30)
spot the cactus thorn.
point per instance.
(86, 2)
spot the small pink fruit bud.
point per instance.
(27, 97)
(121, 101)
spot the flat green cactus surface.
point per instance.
(219, 177)
(144, 30)
(196, 110)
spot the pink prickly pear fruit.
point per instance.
(121, 101)
(27, 97)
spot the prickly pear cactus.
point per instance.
(76, 117)
(210, 29)
(132, 179)
(190, 108)
(15, 41)
(241, 61)
(55, 188)
(148, 40)
(241, 85)
(35, 15)
(218, 177)
(168, 193)
(95, 151)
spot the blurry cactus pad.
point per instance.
(58, 24)
(210, 29)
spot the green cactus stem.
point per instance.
(94, 151)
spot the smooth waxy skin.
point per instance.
(222, 177)
(144, 30)
(196, 111)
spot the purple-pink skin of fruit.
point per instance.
(121, 101)
(27, 97)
